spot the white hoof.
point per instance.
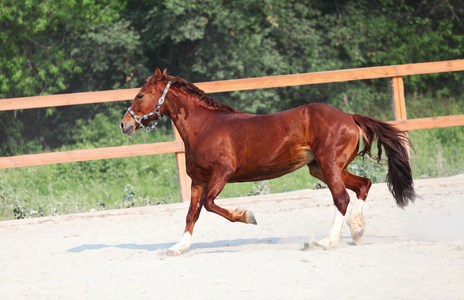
(172, 252)
(327, 243)
(357, 229)
(181, 246)
(332, 239)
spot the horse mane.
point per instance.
(203, 98)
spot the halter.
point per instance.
(139, 119)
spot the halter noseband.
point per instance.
(139, 119)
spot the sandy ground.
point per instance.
(417, 253)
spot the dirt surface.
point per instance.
(416, 253)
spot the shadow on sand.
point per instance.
(208, 245)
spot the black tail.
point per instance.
(395, 143)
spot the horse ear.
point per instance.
(157, 74)
(165, 72)
(154, 77)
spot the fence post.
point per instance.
(185, 182)
(398, 101)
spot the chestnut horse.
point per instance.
(225, 145)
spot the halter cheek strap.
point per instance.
(139, 119)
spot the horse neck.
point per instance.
(186, 114)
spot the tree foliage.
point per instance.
(56, 46)
(51, 47)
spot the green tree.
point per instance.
(55, 46)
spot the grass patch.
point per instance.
(88, 186)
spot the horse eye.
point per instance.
(139, 96)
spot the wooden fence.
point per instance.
(395, 73)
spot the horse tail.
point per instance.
(395, 143)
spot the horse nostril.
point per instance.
(121, 125)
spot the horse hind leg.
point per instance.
(360, 186)
(356, 222)
(332, 177)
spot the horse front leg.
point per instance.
(215, 186)
(204, 195)
(192, 216)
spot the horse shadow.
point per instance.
(195, 246)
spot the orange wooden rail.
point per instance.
(90, 154)
(398, 101)
(242, 84)
(428, 123)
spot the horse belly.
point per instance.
(276, 167)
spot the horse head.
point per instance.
(147, 105)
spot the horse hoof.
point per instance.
(181, 246)
(245, 216)
(356, 235)
(326, 244)
(170, 252)
(357, 229)
(313, 246)
(250, 218)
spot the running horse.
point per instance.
(225, 145)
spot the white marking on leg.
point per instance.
(356, 211)
(355, 220)
(332, 239)
(181, 246)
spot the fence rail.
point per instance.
(90, 154)
(395, 73)
(242, 84)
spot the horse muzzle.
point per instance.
(127, 128)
